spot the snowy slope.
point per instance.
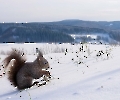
(95, 78)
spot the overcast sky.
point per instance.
(55, 10)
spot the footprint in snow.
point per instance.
(75, 93)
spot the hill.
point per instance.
(111, 25)
(21, 33)
(60, 31)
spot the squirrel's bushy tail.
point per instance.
(19, 61)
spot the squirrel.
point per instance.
(22, 73)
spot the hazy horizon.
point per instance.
(61, 20)
(57, 10)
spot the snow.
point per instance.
(95, 78)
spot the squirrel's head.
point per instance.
(42, 61)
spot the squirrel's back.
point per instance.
(19, 61)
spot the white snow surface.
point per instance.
(96, 78)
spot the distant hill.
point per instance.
(111, 25)
(60, 31)
(21, 33)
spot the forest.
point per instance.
(51, 32)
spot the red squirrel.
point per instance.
(22, 73)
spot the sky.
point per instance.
(56, 10)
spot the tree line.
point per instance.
(28, 34)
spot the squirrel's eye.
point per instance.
(45, 62)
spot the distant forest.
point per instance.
(30, 33)
(53, 32)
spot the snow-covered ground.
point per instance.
(90, 74)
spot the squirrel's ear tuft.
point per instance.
(39, 53)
